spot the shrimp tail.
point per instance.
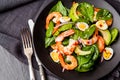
(67, 66)
(101, 43)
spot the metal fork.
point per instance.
(41, 70)
(28, 50)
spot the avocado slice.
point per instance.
(106, 36)
(114, 33)
(78, 51)
(72, 13)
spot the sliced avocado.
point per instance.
(106, 36)
(114, 33)
(72, 13)
(78, 51)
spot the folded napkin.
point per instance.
(13, 20)
(9, 4)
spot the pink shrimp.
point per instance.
(67, 33)
(56, 27)
(65, 65)
(57, 16)
(92, 40)
(101, 43)
(67, 50)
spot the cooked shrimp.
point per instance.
(72, 59)
(56, 27)
(101, 43)
(109, 22)
(54, 46)
(92, 40)
(67, 50)
(72, 43)
(57, 16)
(64, 34)
(96, 9)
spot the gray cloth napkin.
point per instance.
(13, 20)
(9, 4)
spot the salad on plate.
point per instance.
(79, 37)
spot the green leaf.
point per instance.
(59, 8)
(88, 65)
(81, 61)
(103, 14)
(65, 41)
(114, 33)
(96, 53)
(86, 10)
(77, 34)
(49, 41)
(83, 69)
(63, 28)
(50, 29)
(83, 19)
(86, 48)
(89, 32)
(84, 34)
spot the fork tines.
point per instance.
(26, 38)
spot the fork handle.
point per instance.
(32, 77)
(41, 72)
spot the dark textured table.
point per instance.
(13, 64)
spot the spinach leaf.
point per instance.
(82, 69)
(59, 8)
(67, 9)
(65, 41)
(84, 62)
(83, 19)
(49, 41)
(103, 14)
(77, 34)
(84, 34)
(88, 65)
(96, 53)
(86, 48)
(50, 29)
(81, 61)
(63, 28)
(86, 10)
(114, 33)
(89, 32)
